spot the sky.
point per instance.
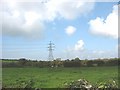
(87, 30)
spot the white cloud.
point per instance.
(28, 18)
(98, 52)
(80, 51)
(106, 27)
(69, 9)
(79, 45)
(15, 26)
(74, 51)
(92, 54)
(70, 30)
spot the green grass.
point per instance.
(55, 77)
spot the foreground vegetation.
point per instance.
(25, 73)
(56, 77)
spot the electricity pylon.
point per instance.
(50, 49)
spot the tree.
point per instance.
(22, 61)
(77, 59)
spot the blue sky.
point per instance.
(28, 27)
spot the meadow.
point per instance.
(55, 77)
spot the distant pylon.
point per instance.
(50, 49)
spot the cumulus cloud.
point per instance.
(69, 9)
(92, 54)
(80, 51)
(70, 30)
(28, 18)
(106, 27)
(18, 22)
(79, 45)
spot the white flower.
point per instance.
(79, 80)
(88, 86)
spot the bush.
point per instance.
(86, 85)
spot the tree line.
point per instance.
(60, 63)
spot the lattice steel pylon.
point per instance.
(50, 49)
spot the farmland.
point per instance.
(56, 77)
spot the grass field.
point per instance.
(55, 77)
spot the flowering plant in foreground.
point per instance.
(82, 83)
